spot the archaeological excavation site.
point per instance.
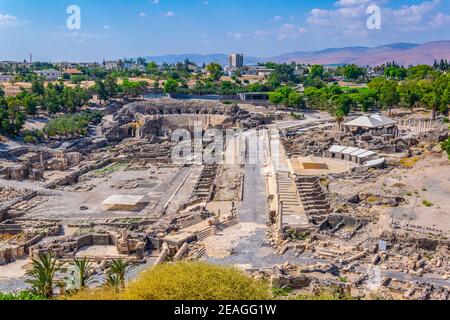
(360, 207)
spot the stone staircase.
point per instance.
(204, 188)
(186, 223)
(202, 235)
(313, 197)
(292, 208)
(229, 223)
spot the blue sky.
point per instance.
(113, 29)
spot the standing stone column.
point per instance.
(280, 217)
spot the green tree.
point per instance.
(446, 147)
(12, 118)
(170, 86)
(111, 86)
(30, 103)
(83, 269)
(52, 99)
(344, 103)
(353, 72)
(215, 70)
(421, 72)
(389, 97)
(445, 101)
(41, 275)
(317, 71)
(37, 86)
(410, 93)
(339, 115)
(367, 100)
(287, 97)
(152, 68)
(117, 271)
(101, 91)
(432, 101)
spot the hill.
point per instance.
(403, 53)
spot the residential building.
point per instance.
(6, 77)
(73, 72)
(111, 65)
(49, 74)
(236, 60)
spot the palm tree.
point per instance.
(339, 115)
(117, 272)
(42, 274)
(83, 268)
(113, 281)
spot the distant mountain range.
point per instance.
(403, 53)
(200, 59)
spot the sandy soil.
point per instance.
(333, 166)
(16, 269)
(427, 187)
(96, 187)
(428, 182)
(99, 251)
(222, 244)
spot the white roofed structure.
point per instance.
(353, 154)
(373, 121)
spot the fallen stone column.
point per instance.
(182, 251)
(163, 254)
(356, 256)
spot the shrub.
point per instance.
(196, 281)
(446, 147)
(281, 292)
(24, 295)
(33, 136)
(185, 281)
(72, 125)
(332, 293)
(427, 203)
(409, 162)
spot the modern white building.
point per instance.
(236, 60)
(49, 74)
(6, 77)
(111, 65)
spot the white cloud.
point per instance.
(142, 14)
(290, 31)
(169, 14)
(8, 20)
(76, 36)
(154, 1)
(261, 34)
(350, 17)
(106, 27)
(235, 35)
(347, 3)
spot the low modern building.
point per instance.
(73, 72)
(357, 155)
(111, 65)
(254, 96)
(6, 77)
(49, 74)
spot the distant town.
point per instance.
(134, 180)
